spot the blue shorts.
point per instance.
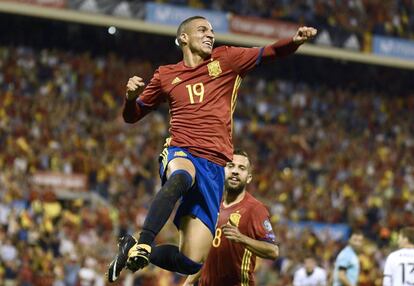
(204, 198)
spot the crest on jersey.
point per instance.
(234, 219)
(214, 69)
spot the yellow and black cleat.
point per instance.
(138, 257)
(125, 244)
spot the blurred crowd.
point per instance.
(382, 17)
(349, 24)
(351, 152)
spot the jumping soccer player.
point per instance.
(201, 91)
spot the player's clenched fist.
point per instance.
(134, 87)
(303, 34)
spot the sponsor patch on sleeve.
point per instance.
(267, 225)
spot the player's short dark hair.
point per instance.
(408, 232)
(241, 152)
(182, 25)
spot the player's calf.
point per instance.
(163, 204)
(170, 258)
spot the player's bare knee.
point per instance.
(181, 164)
(196, 252)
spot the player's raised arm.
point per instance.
(134, 87)
(140, 100)
(287, 46)
(132, 111)
(242, 60)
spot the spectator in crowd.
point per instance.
(310, 274)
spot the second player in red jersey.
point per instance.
(244, 231)
(230, 263)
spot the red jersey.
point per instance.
(202, 100)
(230, 263)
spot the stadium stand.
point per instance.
(331, 142)
(392, 18)
(340, 18)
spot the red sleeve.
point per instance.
(243, 60)
(149, 99)
(280, 49)
(152, 95)
(260, 225)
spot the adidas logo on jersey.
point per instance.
(176, 80)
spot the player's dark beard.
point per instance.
(234, 190)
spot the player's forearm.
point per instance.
(132, 111)
(261, 249)
(280, 49)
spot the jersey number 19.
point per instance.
(195, 90)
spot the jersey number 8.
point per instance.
(217, 238)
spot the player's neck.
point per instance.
(232, 199)
(192, 60)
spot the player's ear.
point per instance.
(249, 178)
(183, 38)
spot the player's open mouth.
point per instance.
(209, 44)
(234, 179)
